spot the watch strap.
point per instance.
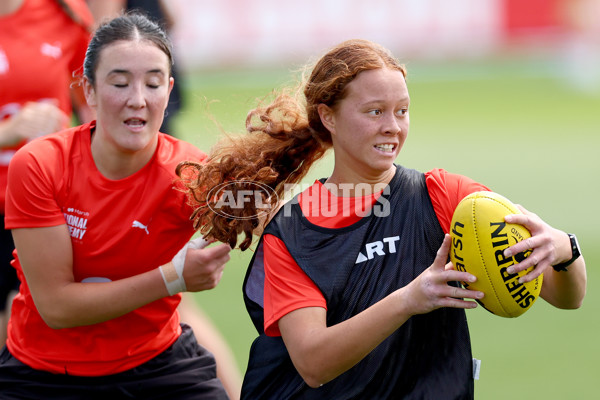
(575, 253)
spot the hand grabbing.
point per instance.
(431, 289)
(549, 246)
(195, 268)
(204, 266)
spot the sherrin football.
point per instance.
(479, 237)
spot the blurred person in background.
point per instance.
(581, 51)
(206, 332)
(103, 241)
(350, 287)
(42, 45)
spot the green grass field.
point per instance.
(518, 128)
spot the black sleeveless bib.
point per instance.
(429, 357)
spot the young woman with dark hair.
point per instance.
(102, 234)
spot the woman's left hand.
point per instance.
(549, 246)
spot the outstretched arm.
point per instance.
(46, 258)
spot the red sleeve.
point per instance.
(287, 287)
(446, 191)
(30, 194)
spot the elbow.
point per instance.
(59, 311)
(312, 380)
(576, 305)
(313, 376)
(570, 306)
(54, 321)
(313, 384)
(56, 326)
(573, 304)
(55, 316)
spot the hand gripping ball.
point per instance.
(479, 238)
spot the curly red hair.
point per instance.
(283, 141)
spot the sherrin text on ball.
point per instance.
(479, 237)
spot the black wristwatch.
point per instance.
(576, 252)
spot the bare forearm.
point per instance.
(78, 304)
(566, 289)
(328, 352)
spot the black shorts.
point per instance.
(183, 371)
(8, 275)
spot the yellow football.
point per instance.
(479, 237)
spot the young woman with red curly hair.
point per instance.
(349, 288)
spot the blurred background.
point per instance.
(504, 91)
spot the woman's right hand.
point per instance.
(204, 266)
(431, 289)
